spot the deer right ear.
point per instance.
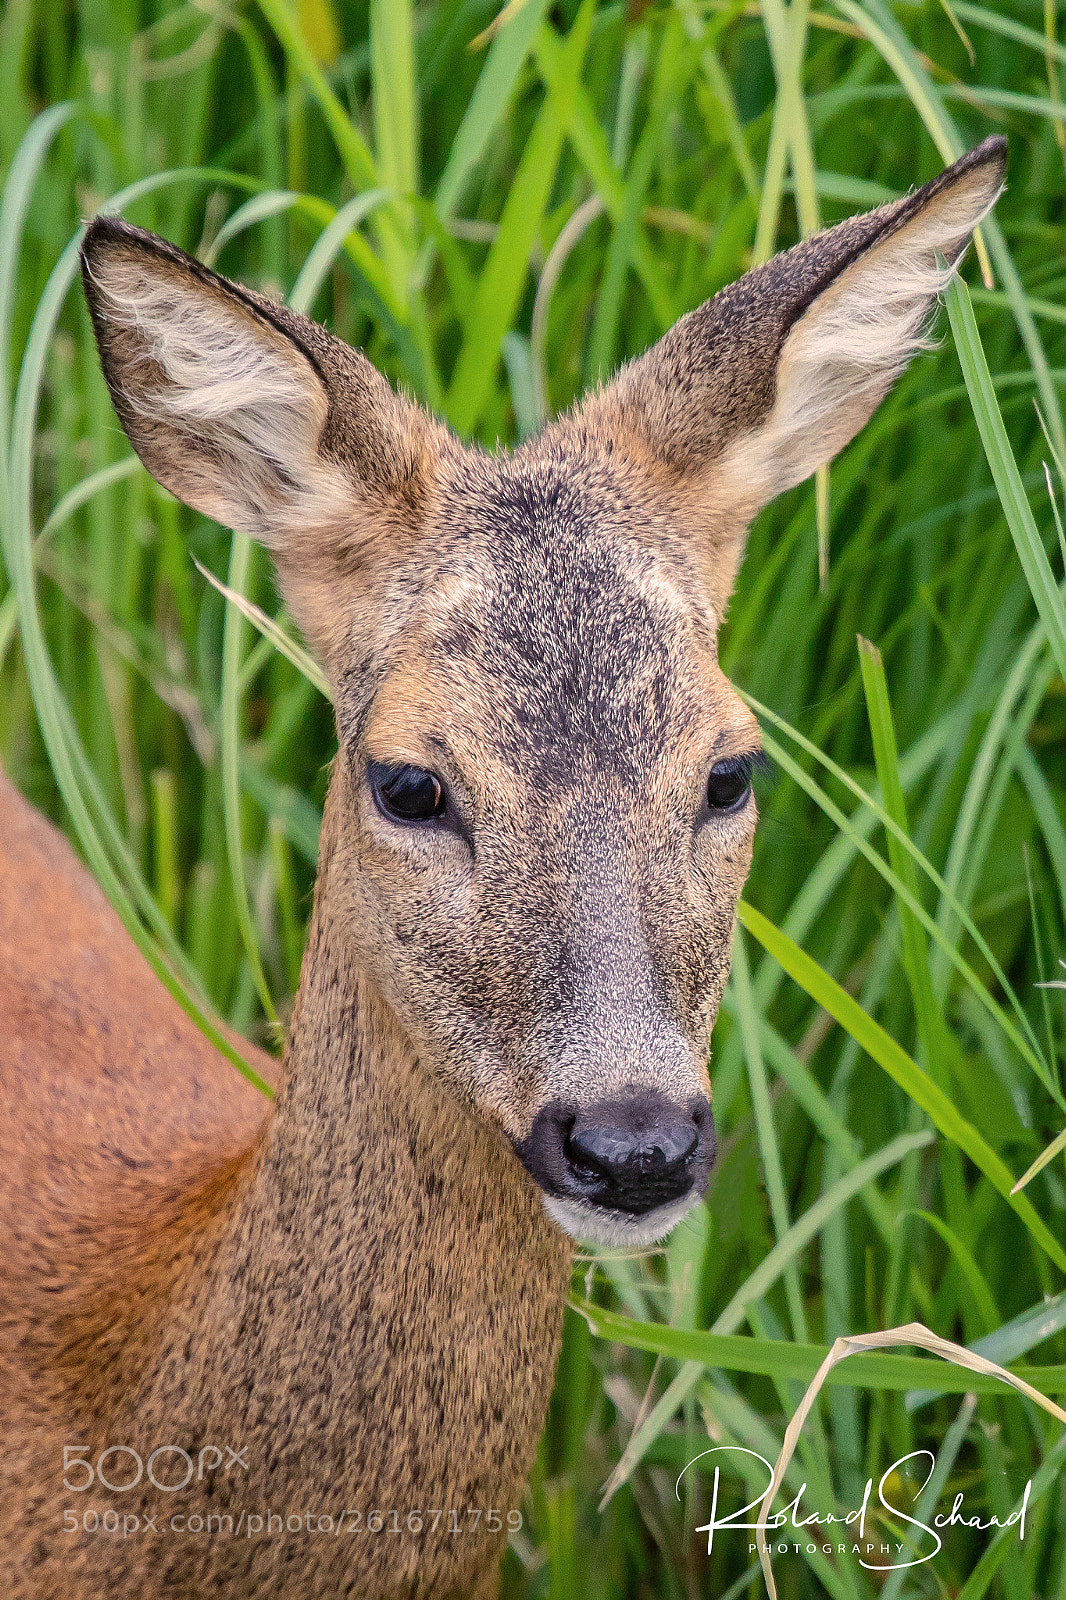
(258, 418)
(747, 395)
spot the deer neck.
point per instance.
(386, 1257)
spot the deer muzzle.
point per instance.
(631, 1156)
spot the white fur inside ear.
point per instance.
(844, 353)
(231, 410)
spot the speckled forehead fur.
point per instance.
(563, 612)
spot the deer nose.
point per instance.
(619, 1153)
(632, 1154)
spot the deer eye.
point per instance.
(407, 794)
(729, 784)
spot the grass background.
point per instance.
(497, 221)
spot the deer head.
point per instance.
(546, 815)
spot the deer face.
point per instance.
(547, 814)
(550, 819)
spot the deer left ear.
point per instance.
(749, 394)
(261, 419)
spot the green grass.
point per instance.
(497, 226)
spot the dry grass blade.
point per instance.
(500, 20)
(271, 630)
(909, 1333)
(1055, 1148)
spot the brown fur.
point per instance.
(361, 1287)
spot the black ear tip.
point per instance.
(988, 160)
(101, 235)
(102, 231)
(98, 235)
(990, 152)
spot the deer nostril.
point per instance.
(637, 1153)
(607, 1149)
(632, 1154)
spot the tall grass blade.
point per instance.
(883, 1049)
(1015, 502)
(501, 281)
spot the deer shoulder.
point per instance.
(122, 1127)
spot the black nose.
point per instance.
(632, 1154)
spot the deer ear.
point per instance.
(747, 395)
(257, 417)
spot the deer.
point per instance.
(305, 1348)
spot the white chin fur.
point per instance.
(597, 1225)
